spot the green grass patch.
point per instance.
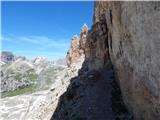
(18, 76)
(30, 71)
(19, 91)
(31, 75)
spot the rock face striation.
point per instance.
(134, 49)
(127, 34)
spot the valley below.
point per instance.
(38, 103)
(30, 88)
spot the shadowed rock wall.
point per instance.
(134, 49)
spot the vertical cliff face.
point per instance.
(96, 50)
(133, 42)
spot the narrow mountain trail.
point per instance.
(90, 97)
(98, 98)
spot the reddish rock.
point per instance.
(75, 55)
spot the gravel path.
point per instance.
(98, 98)
(87, 99)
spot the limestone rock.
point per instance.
(133, 42)
(39, 60)
(83, 36)
(61, 61)
(76, 55)
(16, 75)
(7, 57)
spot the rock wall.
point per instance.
(133, 41)
(96, 49)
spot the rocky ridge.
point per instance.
(18, 74)
(7, 57)
(22, 73)
(75, 55)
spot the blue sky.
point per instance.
(42, 28)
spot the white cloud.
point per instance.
(5, 38)
(36, 46)
(38, 40)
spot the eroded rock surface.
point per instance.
(76, 55)
(133, 42)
